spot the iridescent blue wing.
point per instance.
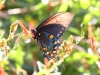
(48, 44)
(56, 24)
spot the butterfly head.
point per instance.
(33, 33)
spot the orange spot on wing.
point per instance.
(51, 36)
(44, 49)
(54, 51)
(55, 42)
(47, 53)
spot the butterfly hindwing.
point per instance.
(48, 44)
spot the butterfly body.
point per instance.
(49, 31)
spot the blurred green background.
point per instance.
(20, 60)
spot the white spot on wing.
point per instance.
(62, 28)
(60, 31)
(39, 33)
(57, 35)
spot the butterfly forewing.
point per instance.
(56, 24)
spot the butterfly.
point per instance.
(49, 31)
